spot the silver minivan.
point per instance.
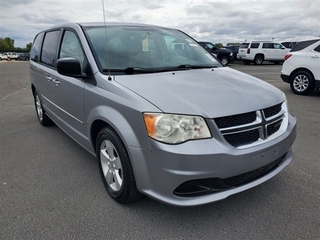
(163, 117)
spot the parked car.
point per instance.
(260, 51)
(301, 68)
(168, 122)
(224, 55)
(289, 44)
(234, 49)
(23, 56)
(9, 56)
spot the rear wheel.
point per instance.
(302, 83)
(41, 114)
(258, 60)
(224, 60)
(115, 167)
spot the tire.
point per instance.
(225, 60)
(246, 62)
(115, 167)
(258, 59)
(302, 83)
(44, 120)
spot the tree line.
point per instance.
(7, 45)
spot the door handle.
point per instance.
(49, 78)
(56, 81)
(315, 56)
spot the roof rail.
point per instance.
(261, 41)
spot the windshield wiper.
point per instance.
(189, 66)
(132, 70)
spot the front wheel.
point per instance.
(302, 83)
(115, 167)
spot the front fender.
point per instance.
(132, 133)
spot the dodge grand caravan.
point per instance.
(170, 123)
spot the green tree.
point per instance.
(10, 43)
(219, 45)
(3, 45)
(28, 46)
(233, 44)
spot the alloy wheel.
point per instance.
(300, 83)
(111, 165)
(39, 108)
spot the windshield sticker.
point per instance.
(145, 45)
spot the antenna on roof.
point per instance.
(105, 32)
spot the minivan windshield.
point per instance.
(146, 49)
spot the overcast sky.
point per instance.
(217, 21)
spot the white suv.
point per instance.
(259, 51)
(301, 67)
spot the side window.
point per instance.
(255, 45)
(317, 49)
(70, 47)
(49, 48)
(268, 45)
(36, 46)
(277, 46)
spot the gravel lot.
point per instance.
(50, 187)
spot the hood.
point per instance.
(206, 92)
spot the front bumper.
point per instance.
(162, 170)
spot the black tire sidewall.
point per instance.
(46, 121)
(226, 58)
(110, 135)
(256, 58)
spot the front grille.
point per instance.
(273, 127)
(247, 128)
(236, 120)
(271, 111)
(253, 175)
(243, 138)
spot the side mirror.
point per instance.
(69, 67)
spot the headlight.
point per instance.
(285, 99)
(170, 128)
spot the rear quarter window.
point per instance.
(244, 45)
(317, 49)
(302, 45)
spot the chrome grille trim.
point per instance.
(271, 122)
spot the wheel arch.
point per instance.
(300, 69)
(117, 122)
(259, 54)
(33, 88)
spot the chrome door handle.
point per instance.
(49, 78)
(315, 56)
(56, 81)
